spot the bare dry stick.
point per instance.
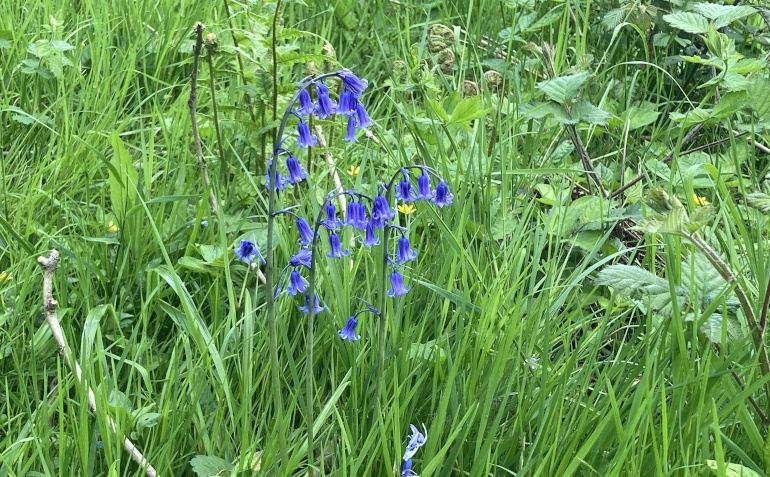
(49, 265)
(192, 103)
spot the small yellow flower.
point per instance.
(111, 227)
(354, 170)
(700, 200)
(5, 277)
(406, 209)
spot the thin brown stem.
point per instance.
(192, 103)
(50, 264)
(210, 45)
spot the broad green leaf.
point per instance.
(466, 111)
(692, 117)
(123, 184)
(733, 470)
(564, 88)
(714, 11)
(639, 116)
(671, 223)
(759, 92)
(541, 110)
(746, 65)
(759, 200)
(642, 287)
(706, 284)
(700, 217)
(585, 111)
(730, 104)
(210, 466)
(437, 108)
(687, 21)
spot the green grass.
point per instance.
(171, 331)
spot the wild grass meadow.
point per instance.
(537, 231)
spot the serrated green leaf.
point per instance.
(467, 110)
(672, 223)
(564, 88)
(732, 470)
(746, 65)
(437, 108)
(730, 104)
(687, 21)
(541, 110)
(585, 111)
(692, 117)
(700, 217)
(642, 287)
(294, 57)
(714, 11)
(712, 328)
(760, 201)
(210, 465)
(759, 92)
(639, 116)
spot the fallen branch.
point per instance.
(49, 265)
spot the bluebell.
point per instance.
(305, 139)
(442, 196)
(316, 307)
(331, 221)
(279, 180)
(353, 83)
(348, 103)
(397, 285)
(404, 253)
(351, 136)
(423, 187)
(405, 190)
(306, 106)
(416, 440)
(336, 248)
(296, 171)
(303, 257)
(371, 239)
(349, 331)
(325, 106)
(305, 232)
(364, 121)
(406, 469)
(246, 251)
(297, 284)
(381, 212)
(356, 215)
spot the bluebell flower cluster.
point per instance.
(246, 251)
(416, 440)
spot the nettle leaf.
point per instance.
(732, 470)
(645, 289)
(564, 88)
(585, 111)
(760, 201)
(210, 466)
(687, 21)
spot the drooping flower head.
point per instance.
(296, 171)
(305, 232)
(246, 251)
(416, 440)
(356, 215)
(348, 103)
(371, 239)
(316, 307)
(336, 248)
(306, 106)
(325, 107)
(381, 212)
(280, 182)
(442, 195)
(305, 139)
(405, 190)
(353, 83)
(349, 331)
(331, 221)
(397, 285)
(351, 136)
(406, 469)
(423, 187)
(302, 257)
(364, 121)
(297, 284)
(404, 253)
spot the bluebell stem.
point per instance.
(404, 253)
(348, 103)
(423, 187)
(336, 249)
(305, 232)
(371, 239)
(442, 196)
(296, 171)
(297, 284)
(246, 251)
(351, 136)
(306, 106)
(316, 307)
(364, 121)
(397, 285)
(325, 107)
(302, 257)
(349, 331)
(305, 139)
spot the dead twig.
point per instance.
(49, 265)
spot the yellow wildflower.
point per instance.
(700, 200)
(111, 227)
(354, 170)
(5, 277)
(406, 209)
